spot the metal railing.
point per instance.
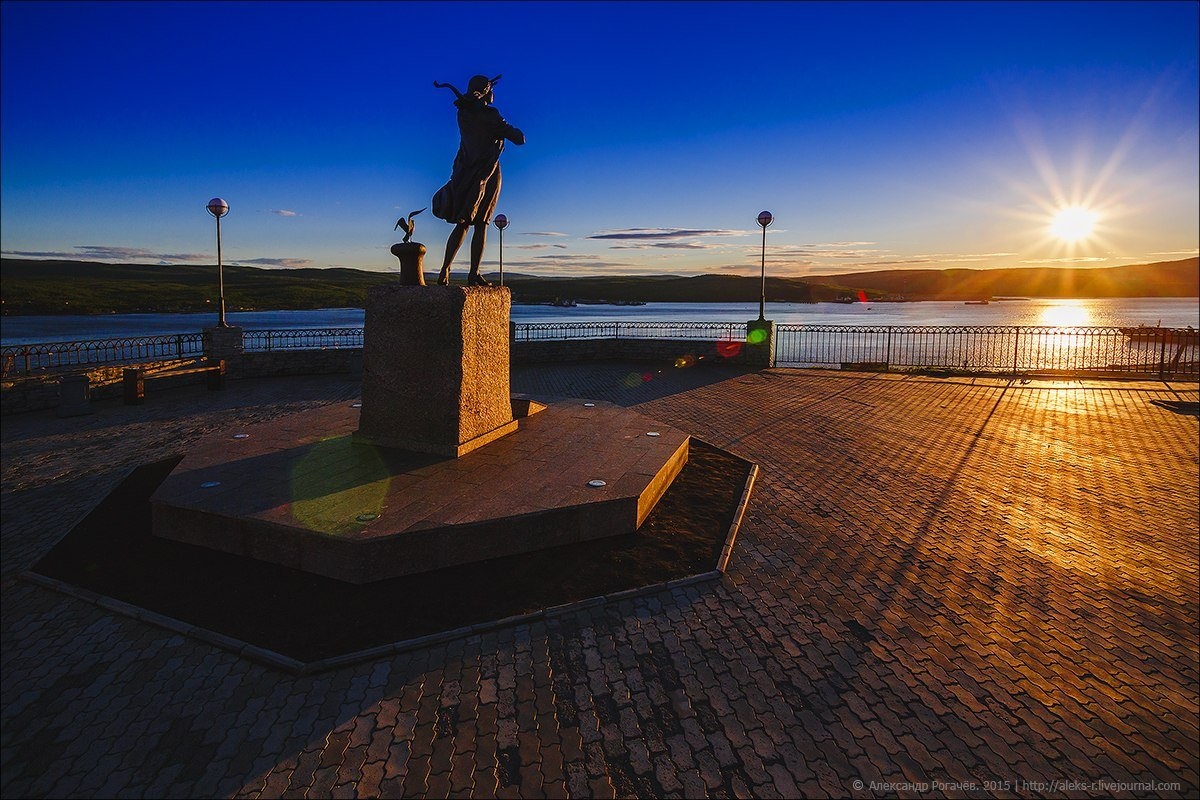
(302, 339)
(715, 331)
(1157, 352)
(26, 359)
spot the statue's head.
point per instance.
(481, 87)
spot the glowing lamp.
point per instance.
(219, 208)
(764, 219)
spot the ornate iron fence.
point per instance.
(302, 339)
(714, 331)
(1154, 352)
(25, 359)
(1157, 352)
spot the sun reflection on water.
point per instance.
(1068, 314)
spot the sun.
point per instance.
(1073, 223)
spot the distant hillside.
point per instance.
(83, 287)
(1160, 279)
(87, 287)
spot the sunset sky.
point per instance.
(880, 135)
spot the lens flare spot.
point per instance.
(729, 349)
(631, 380)
(334, 485)
(683, 362)
(756, 336)
(647, 377)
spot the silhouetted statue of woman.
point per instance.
(469, 199)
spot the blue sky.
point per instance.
(880, 135)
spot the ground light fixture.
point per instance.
(501, 223)
(219, 208)
(764, 219)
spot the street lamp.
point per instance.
(501, 223)
(764, 219)
(219, 208)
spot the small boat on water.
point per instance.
(560, 302)
(1153, 333)
(976, 303)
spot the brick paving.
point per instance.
(938, 582)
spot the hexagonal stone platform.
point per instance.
(298, 491)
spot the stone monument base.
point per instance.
(298, 491)
(416, 445)
(435, 368)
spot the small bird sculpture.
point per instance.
(407, 225)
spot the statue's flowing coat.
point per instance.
(474, 187)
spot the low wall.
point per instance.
(38, 392)
(535, 351)
(272, 363)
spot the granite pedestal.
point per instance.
(435, 368)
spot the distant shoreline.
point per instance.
(15, 314)
(42, 288)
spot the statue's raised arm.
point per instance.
(457, 94)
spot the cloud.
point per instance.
(962, 256)
(840, 244)
(542, 233)
(289, 263)
(637, 234)
(283, 212)
(1191, 252)
(672, 245)
(810, 251)
(536, 246)
(1075, 260)
(570, 263)
(105, 253)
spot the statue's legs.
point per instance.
(453, 242)
(478, 239)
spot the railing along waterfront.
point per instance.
(25, 359)
(708, 331)
(1153, 352)
(302, 339)
(1157, 352)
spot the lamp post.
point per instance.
(219, 208)
(501, 223)
(764, 219)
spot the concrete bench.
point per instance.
(133, 379)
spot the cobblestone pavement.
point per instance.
(939, 582)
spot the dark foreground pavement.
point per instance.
(942, 586)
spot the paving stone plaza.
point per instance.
(942, 586)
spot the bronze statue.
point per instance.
(408, 225)
(411, 254)
(469, 198)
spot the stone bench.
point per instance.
(133, 379)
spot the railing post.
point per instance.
(1162, 353)
(1016, 349)
(25, 353)
(887, 359)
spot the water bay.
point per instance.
(1171, 312)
